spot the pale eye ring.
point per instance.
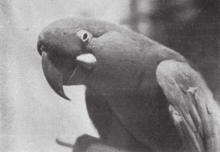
(85, 36)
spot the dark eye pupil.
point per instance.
(85, 36)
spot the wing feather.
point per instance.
(195, 113)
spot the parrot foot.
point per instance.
(83, 142)
(87, 143)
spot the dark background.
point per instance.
(190, 27)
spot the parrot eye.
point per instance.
(85, 36)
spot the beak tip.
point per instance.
(62, 94)
(53, 76)
(65, 97)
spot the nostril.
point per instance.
(40, 43)
(39, 47)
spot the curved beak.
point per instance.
(53, 75)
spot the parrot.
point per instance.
(140, 95)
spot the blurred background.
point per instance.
(32, 115)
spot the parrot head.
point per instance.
(65, 58)
(93, 53)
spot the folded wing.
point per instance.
(193, 109)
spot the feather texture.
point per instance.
(192, 106)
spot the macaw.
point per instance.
(140, 95)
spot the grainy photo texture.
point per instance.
(109, 76)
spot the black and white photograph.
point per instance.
(110, 76)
